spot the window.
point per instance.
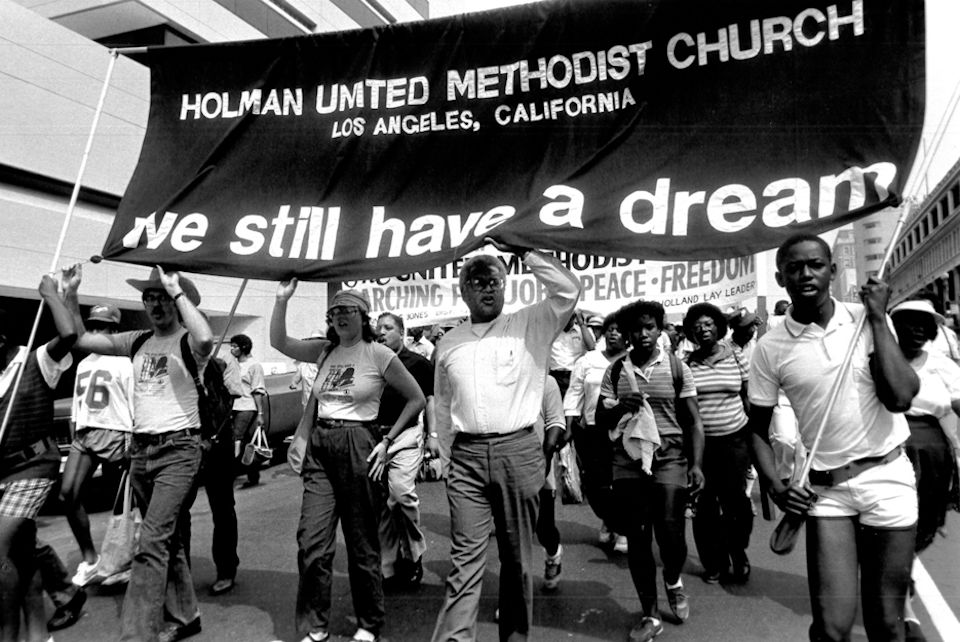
(870, 226)
(874, 257)
(955, 192)
(874, 241)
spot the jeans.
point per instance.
(724, 519)
(494, 483)
(216, 476)
(163, 472)
(400, 521)
(335, 488)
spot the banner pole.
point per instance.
(233, 310)
(63, 234)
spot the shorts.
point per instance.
(884, 496)
(669, 463)
(102, 444)
(24, 497)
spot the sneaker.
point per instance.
(552, 570)
(363, 635)
(740, 572)
(711, 577)
(649, 628)
(117, 578)
(416, 573)
(604, 537)
(677, 599)
(316, 636)
(86, 572)
(620, 544)
(176, 632)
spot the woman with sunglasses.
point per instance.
(345, 458)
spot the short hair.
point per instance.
(608, 321)
(781, 307)
(629, 315)
(796, 239)
(481, 262)
(243, 342)
(698, 310)
(396, 319)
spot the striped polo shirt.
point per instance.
(718, 391)
(656, 381)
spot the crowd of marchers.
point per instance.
(666, 424)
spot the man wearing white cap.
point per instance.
(160, 603)
(103, 418)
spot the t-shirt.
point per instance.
(251, 381)
(718, 391)
(804, 360)
(103, 393)
(351, 380)
(584, 390)
(566, 349)
(392, 402)
(164, 392)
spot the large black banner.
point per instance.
(653, 129)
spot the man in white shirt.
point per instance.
(861, 501)
(573, 342)
(489, 381)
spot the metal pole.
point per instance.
(63, 234)
(236, 302)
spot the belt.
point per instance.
(851, 470)
(488, 436)
(33, 450)
(153, 440)
(333, 424)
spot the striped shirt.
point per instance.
(719, 382)
(656, 381)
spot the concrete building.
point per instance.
(53, 61)
(927, 256)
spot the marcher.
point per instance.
(489, 385)
(743, 331)
(648, 402)
(418, 343)
(723, 520)
(594, 450)
(931, 447)
(103, 417)
(861, 503)
(402, 543)
(160, 603)
(29, 459)
(345, 458)
(574, 341)
(248, 407)
(551, 429)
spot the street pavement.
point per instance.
(595, 600)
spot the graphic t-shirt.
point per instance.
(103, 393)
(164, 393)
(351, 380)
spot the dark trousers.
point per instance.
(336, 489)
(163, 473)
(595, 456)
(493, 483)
(933, 462)
(244, 425)
(547, 532)
(724, 519)
(216, 477)
(53, 575)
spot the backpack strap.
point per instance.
(190, 363)
(138, 342)
(615, 372)
(677, 373)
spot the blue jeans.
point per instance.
(163, 471)
(336, 488)
(494, 483)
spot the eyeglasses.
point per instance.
(156, 297)
(343, 311)
(480, 283)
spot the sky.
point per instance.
(943, 79)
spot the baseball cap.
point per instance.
(104, 314)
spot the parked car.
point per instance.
(281, 413)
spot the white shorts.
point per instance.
(884, 496)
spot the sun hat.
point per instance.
(918, 305)
(153, 282)
(595, 320)
(104, 314)
(350, 297)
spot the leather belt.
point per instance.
(33, 450)
(334, 424)
(851, 470)
(154, 440)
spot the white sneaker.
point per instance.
(363, 635)
(552, 570)
(620, 544)
(605, 536)
(122, 577)
(86, 572)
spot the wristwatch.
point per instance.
(433, 435)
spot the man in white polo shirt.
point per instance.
(489, 381)
(861, 504)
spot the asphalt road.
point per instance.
(595, 601)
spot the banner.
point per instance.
(642, 129)
(433, 296)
